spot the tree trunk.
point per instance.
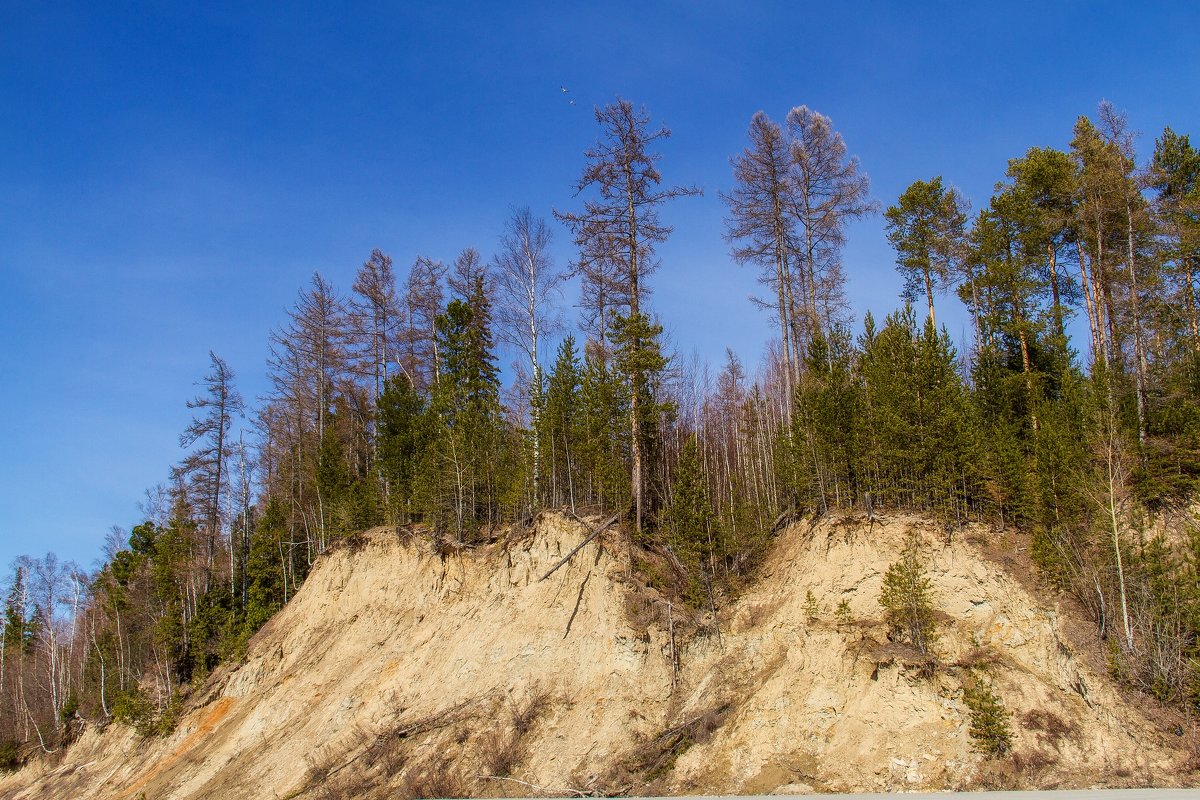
(784, 327)
(1193, 312)
(810, 266)
(1052, 259)
(1116, 535)
(1086, 284)
(929, 295)
(635, 378)
(1139, 352)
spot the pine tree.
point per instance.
(990, 727)
(1172, 468)
(907, 599)
(1174, 175)
(689, 523)
(926, 227)
(1045, 180)
(1005, 245)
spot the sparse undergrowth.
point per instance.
(653, 759)
(503, 747)
(136, 709)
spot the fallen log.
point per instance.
(599, 530)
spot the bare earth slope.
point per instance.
(395, 671)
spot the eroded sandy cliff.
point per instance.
(397, 671)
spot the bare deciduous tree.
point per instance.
(758, 221)
(307, 359)
(793, 194)
(423, 298)
(375, 317)
(828, 190)
(526, 282)
(204, 468)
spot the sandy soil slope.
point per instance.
(396, 671)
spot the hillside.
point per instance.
(399, 671)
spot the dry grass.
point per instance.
(979, 657)
(1191, 764)
(1032, 763)
(652, 760)
(444, 546)
(499, 753)
(353, 543)
(525, 713)
(1021, 771)
(644, 609)
(367, 763)
(439, 778)
(757, 613)
(1051, 729)
(502, 748)
(899, 654)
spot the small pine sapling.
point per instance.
(907, 599)
(843, 613)
(812, 609)
(990, 729)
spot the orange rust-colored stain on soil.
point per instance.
(211, 719)
(388, 670)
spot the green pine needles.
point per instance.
(907, 599)
(990, 731)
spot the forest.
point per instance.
(1072, 415)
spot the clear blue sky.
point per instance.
(171, 175)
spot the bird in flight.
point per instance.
(563, 89)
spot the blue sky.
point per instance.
(170, 175)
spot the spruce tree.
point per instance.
(825, 426)
(464, 479)
(402, 439)
(887, 363)
(560, 425)
(604, 409)
(639, 359)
